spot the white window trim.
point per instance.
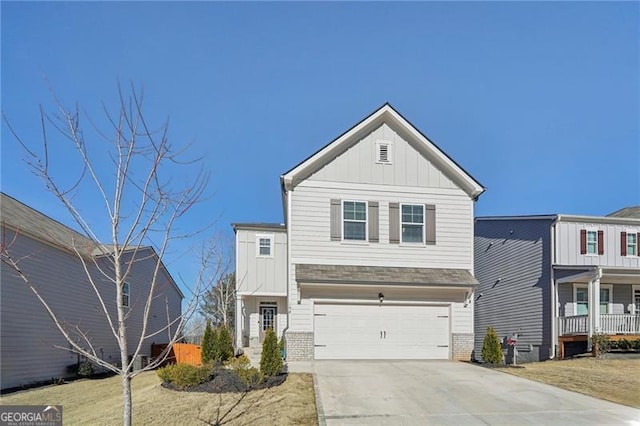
(576, 286)
(634, 232)
(366, 223)
(634, 308)
(126, 294)
(271, 244)
(389, 145)
(424, 225)
(587, 242)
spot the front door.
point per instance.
(268, 314)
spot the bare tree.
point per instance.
(219, 301)
(128, 169)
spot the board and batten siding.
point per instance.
(513, 266)
(408, 167)
(29, 337)
(261, 275)
(568, 244)
(310, 227)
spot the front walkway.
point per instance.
(447, 393)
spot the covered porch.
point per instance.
(594, 299)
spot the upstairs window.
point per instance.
(591, 242)
(354, 220)
(412, 223)
(384, 152)
(125, 295)
(629, 243)
(264, 245)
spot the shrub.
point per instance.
(184, 375)
(225, 344)
(241, 362)
(270, 361)
(209, 345)
(85, 369)
(635, 344)
(491, 347)
(601, 344)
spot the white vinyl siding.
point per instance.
(567, 250)
(309, 225)
(260, 274)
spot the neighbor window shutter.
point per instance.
(336, 220)
(394, 223)
(374, 226)
(600, 242)
(431, 223)
(623, 243)
(583, 241)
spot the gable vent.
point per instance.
(383, 152)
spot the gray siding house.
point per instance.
(31, 344)
(557, 280)
(375, 256)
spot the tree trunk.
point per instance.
(126, 399)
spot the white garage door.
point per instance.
(381, 332)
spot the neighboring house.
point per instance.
(375, 259)
(47, 250)
(558, 279)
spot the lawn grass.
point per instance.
(100, 402)
(616, 380)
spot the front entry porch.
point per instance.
(596, 300)
(256, 314)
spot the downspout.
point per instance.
(288, 266)
(555, 311)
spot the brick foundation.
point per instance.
(299, 345)
(462, 346)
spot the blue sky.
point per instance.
(540, 102)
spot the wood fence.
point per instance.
(181, 353)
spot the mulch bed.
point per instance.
(226, 381)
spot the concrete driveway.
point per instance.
(448, 393)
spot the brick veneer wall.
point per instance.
(299, 345)
(462, 346)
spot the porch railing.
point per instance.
(609, 324)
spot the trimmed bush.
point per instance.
(184, 375)
(241, 366)
(270, 362)
(225, 344)
(491, 347)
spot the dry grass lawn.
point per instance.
(616, 380)
(100, 402)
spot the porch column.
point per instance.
(239, 325)
(594, 303)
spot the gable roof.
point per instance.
(385, 114)
(630, 212)
(26, 220)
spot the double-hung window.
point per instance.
(592, 242)
(264, 245)
(412, 223)
(354, 220)
(632, 244)
(581, 297)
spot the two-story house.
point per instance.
(58, 262)
(558, 279)
(375, 257)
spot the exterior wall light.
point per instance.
(381, 297)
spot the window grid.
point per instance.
(632, 244)
(412, 223)
(354, 215)
(592, 242)
(125, 295)
(264, 246)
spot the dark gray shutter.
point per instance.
(394, 223)
(431, 223)
(336, 220)
(374, 226)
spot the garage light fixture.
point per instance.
(381, 297)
